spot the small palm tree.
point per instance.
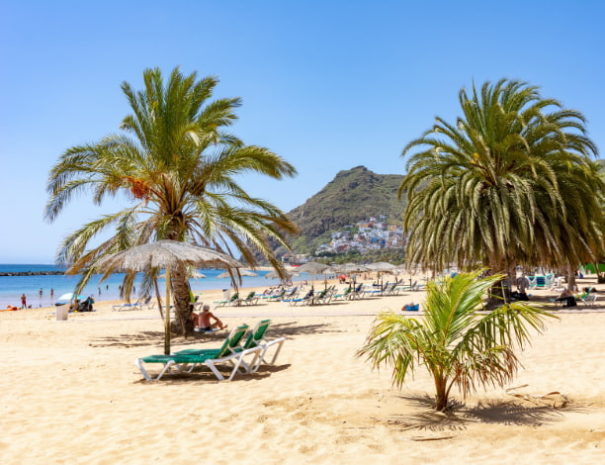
(180, 170)
(458, 346)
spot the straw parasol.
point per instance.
(382, 267)
(241, 273)
(165, 254)
(315, 268)
(347, 268)
(312, 267)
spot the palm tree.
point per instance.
(458, 346)
(511, 182)
(179, 169)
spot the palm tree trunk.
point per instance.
(600, 275)
(157, 295)
(571, 278)
(499, 294)
(181, 290)
(441, 394)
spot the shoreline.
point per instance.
(13, 286)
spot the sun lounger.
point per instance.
(307, 299)
(256, 338)
(289, 294)
(186, 360)
(377, 292)
(232, 300)
(275, 297)
(358, 292)
(124, 307)
(323, 298)
(588, 300)
(345, 295)
(251, 299)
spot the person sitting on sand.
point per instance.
(75, 305)
(202, 321)
(567, 297)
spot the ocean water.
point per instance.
(11, 287)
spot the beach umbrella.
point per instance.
(241, 273)
(315, 268)
(382, 267)
(312, 268)
(67, 298)
(165, 254)
(347, 268)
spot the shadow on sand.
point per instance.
(155, 338)
(459, 415)
(203, 373)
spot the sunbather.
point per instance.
(203, 321)
(567, 297)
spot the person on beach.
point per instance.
(52, 292)
(40, 292)
(75, 305)
(567, 297)
(202, 321)
(23, 301)
(86, 306)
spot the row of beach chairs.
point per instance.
(236, 301)
(298, 296)
(294, 296)
(244, 350)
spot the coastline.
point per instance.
(36, 278)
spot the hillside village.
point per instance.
(363, 236)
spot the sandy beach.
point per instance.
(71, 394)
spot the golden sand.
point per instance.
(71, 394)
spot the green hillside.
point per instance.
(353, 195)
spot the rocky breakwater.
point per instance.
(31, 273)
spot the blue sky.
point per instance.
(328, 85)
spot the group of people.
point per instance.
(82, 306)
(24, 304)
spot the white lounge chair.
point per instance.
(126, 306)
(186, 360)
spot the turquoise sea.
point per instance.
(11, 287)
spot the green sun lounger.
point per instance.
(256, 338)
(185, 361)
(232, 300)
(251, 299)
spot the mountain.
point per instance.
(353, 195)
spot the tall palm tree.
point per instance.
(457, 345)
(180, 170)
(512, 181)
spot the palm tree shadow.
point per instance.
(155, 338)
(459, 415)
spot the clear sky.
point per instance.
(328, 85)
